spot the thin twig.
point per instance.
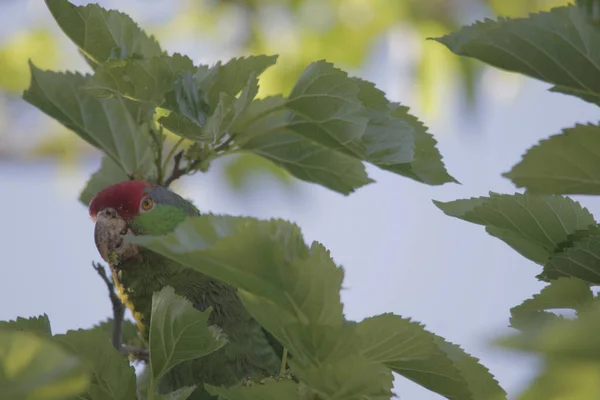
(177, 172)
(117, 307)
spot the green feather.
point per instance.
(250, 353)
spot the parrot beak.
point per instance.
(108, 237)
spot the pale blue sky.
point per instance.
(401, 254)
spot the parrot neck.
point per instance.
(137, 280)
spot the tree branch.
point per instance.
(178, 172)
(117, 307)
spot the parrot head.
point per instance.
(134, 208)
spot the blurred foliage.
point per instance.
(345, 32)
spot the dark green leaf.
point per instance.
(100, 34)
(591, 10)
(586, 96)
(387, 140)
(218, 123)
(482, 383)
(146, 80)
(532, 225)
(112, 376)
(117, 126)
(109, 173)
(427, 166)
(267, 259)
(231, 78)
(180, 394)
(538, 46)
(326, 109)
(38, 325)
(271, 390)
(563, 164)
(408, 349)
(352, 378)
(563, 293)
(264, 131)
(309, 161)
(179, 332)
(581, 261)
(35, 368)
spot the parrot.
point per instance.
(143, 208)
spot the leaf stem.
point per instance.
(151, 389)
(283, 361)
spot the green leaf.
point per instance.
(427, 166)
(35, 368)
(231, 78)
(589, 97)
(591, 10)
(179, 332)
(271, 390)
(326, 109)
(146, 80)
(100, 34)
(264, 131)
(563, 293)
(565, 380)
(38, 325)
(117, 126)
(562, 339)
(482, 383)
(352, 378)
(563, 164)
(310, 162)
(408, 349)
(267, 259)
(109, 173)
(180, 394)
(218, 123)
(532, 225)
(387, 140)
(112, 376)
(130, 332)
(581, 261)
(537, 46)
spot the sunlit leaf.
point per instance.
(112, 376)
(35, 368)
(38, 325)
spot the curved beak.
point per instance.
(108, 237)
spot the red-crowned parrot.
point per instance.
(142, 208)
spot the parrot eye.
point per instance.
(147, 204)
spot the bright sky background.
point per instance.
(400, 253)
